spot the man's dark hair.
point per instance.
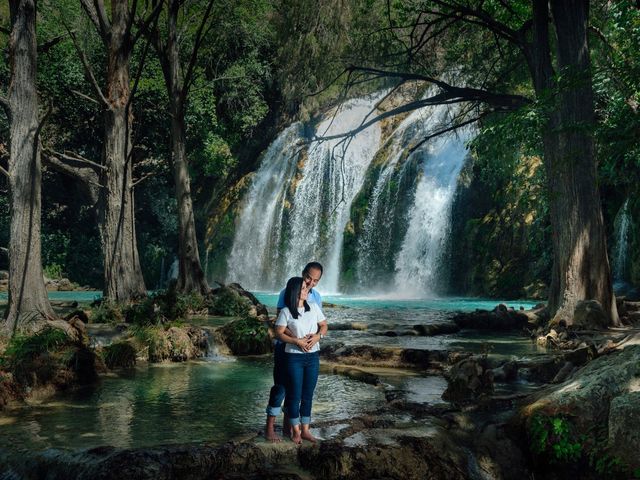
(292, 295)
(312, 265)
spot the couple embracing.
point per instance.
(299, 328)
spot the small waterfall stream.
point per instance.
(376, 214)
(621, 247)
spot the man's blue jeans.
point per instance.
(303, 371)
(277, 394)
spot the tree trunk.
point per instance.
(580, 265)
(28, 301)
(123, 281)
(190, 276)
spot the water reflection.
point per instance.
(172, 403)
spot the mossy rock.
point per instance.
(228, 302)
(119, 355)
(246, 336)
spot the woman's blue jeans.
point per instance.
(303, 371)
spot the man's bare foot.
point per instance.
(306, 434)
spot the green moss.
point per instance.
(226, 302)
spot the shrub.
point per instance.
(228, 303)
(247, 336)
(107, 312)
(119, 355)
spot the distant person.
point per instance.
(300, 325)
(311, 275)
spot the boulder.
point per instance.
(599, 401)
(624, 426)
(589, 315)
(246, 336)
(436, 329)
(500, 318)
(468, 379)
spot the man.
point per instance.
(311, 275)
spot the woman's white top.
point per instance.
(306, 323)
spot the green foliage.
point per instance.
(23, 347)
(164, 307)
(556, 439)
(107, 312)
(155, 340)
(228, 303)
(53, 271)
(247, 336)
(119, 355)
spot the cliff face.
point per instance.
(500, 241)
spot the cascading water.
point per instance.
(298, 206)
(419, 263)
(304, 201)
(255, 254)
(621, 247)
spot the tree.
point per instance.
(28, 299)
(178, 81)
(112, 178)
(564, 91)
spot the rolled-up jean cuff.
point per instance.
(305, 420)
(273, 411)
(294, 421)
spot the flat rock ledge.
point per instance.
(377, 446)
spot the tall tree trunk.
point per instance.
(190, 276)
(28, 299)
(580, 265)
(123, 281)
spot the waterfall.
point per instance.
(254, 258)
(621, 231)
(391, 203)
(419, 263)
(298, 205)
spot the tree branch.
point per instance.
(144, 24)
(452, 128)
(49, 44)
(188, 76)
(86, 97)
(4, 172)
(88, 70)
(141, 179)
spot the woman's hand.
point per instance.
(302, 344)
(311, 340)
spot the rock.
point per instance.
(624, 426)
(602, 394)
(181, 348)
(234, 301)
(4, 275)
(507, 372)
(501, 318)
(468, 379)
(589, 315)
(436, 329)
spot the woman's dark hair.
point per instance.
(292, 295)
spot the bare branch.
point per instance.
(86, 97)
(4, 172)
(452, 128)
(87, 69)
(74, 157)
(49, 44)
(143, 25)
(86, 174)
(141, 179)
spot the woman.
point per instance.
(307, 325)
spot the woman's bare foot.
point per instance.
(306, 434)
(296, 437)
(270, 430)
(272, 436)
